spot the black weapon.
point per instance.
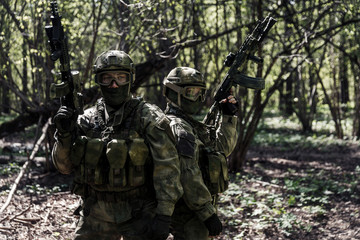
(235, 61)
(69, 90)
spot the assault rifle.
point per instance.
(236, 60)
(69, 90)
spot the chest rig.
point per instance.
(212, 162)
(112, 157)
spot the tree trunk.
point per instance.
(4, 54)
(24, 78)
(356, 121)
(5, 106)
(301, 102)
(335, 100)
(355, 68)
(333, 109)
(122, 14)
(289, 110)
(96, 25)
(287, 97)
(313, 94)
(343, 76)
(248, 124)
(197, 32)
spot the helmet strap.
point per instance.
(179, 90)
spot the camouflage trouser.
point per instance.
(185, 225)
(112, 220)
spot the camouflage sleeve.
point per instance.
(61, 153)
(196, 195)
(63, 143)
(227, 134)
(166, 174)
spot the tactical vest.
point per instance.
(212, 163)
(111, 159)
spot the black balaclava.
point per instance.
(188, 106)
(115, 96)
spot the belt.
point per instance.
(118, 196)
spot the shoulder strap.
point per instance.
(204, 132)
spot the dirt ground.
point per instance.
(340, 218)
(34, 215)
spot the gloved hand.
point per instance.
(214, 225)
(229, 105)
(160, 227)
(65, 119)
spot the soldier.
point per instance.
(123, 156)
(202, 152)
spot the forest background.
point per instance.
(311, 62)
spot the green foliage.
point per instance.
(6, 118)
(278, 204)
(9, 169)
(274, 204)
(286, 222)
(36, 189)
(316, 210)
(285, 133)
(300, 51)
(298, 141)
(257, 209)
(312, 189)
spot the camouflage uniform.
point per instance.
(126, 168)
(202, 152)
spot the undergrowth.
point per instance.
(295, 203)
(285, 133)
(279, 205)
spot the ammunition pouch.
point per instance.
(215, 171)
(77, 158)
(138, 153)
(94, 151)
(117, 165)
(116, 153)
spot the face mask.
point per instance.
(115, 96)
(191, 107)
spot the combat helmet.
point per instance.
(114, 60)
(108, 62)
(179, 80)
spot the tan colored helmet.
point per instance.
(179, 79)
(114, 60)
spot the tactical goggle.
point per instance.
(194, 92)
(120, 77)
(189, 92)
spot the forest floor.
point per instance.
(307, 193)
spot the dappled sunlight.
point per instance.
(294, 194)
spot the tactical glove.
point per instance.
(65, 119)
(214, 225)
(229, 108)
(160, 227)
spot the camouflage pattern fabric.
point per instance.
(151, 180)
(100, 225)
(197, 203)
